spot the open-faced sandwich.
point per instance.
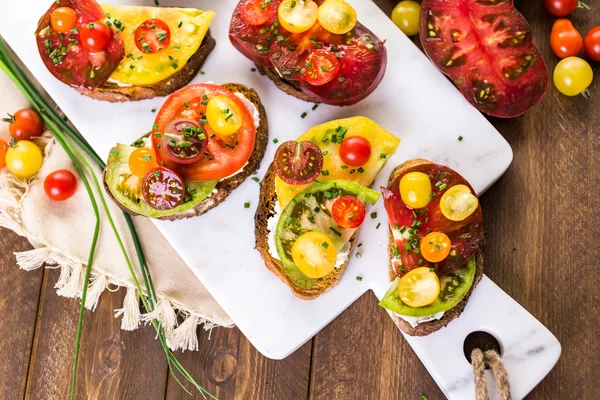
(313, 200)
(314, 50)
(435, 245)
(123, 53)
(206, 140)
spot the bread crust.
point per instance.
(283, 85)
(114, 93)
(265, 210)
(225, 186)
(427, 328)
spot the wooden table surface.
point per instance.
(542, 225)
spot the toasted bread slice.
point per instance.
(426, 328)
(225, 186)
(114, 93)
(266, 209)
(285, 86)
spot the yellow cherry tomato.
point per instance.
(24, 160)
(419, 287)
(337, 16)
(406, 17)
(572, 76)
(223, 115)
(458, 203)
(435, 247)
(314, 254)
(297, 15)
(141, 161)
(415, 189)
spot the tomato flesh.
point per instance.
(321, 67)
(221, 156)
(348, 212)
(256, 12)
(487, 49)
(25, 124)
(152, 35)
(163, 189)
(411, 226)
(60, 185)
(298, 163)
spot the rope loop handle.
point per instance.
(491, 358)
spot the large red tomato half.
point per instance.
(485, 46)
(64, 54)
(223, 156)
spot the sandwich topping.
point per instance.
(318, 46)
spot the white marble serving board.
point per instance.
(414, 101)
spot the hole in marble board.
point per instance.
(481, 340)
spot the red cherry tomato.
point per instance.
(565, 40)
(298, 163)
(95, 36)
(3, 150)
(63, 19)
(348, 212)
(355, 151)
(560, 8)
(321, 67)
(592, 44)
(257, 12)
(152, 35)
(163, 189)
(60, 185)
(184, 141)
(25, 124)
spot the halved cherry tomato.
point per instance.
(314, 254)
(163, 189)
(141, 161)
(297, 15)
(257, 12)
(184, 141)
(337, 16)
(419, 287)
(321, 67)
(435, 247)
(25, 124)
(355, 151)
(561, 8)
(298, 163)
(565, 40)
(3, 150)
(592, 44)
(95, 36)
(152, 35)
(458, 203)
(60, 185)
(223, 115)
(415, 189)
(63, 19)
(348, 212)
(24, 159)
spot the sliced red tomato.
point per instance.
(257, 12)
(410, 226)
(487, 49)
(348, 212)
(163, 189)
(65, 54)
(152, 35)
(298, 163)
(222, 156)
(321, 67)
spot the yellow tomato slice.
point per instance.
(415, 189)
(458, 203)
(297, 15)
(223, 115)
(314, 254)
(337, 16)
(419, 287)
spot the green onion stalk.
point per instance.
(71, 142)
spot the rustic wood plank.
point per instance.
(20, 292)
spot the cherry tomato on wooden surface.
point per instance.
(355, 151)
(3, 150)
(321, 67)
(572, 76)
(406, 16)
(592, 44)
(95, 36)
(60, 185)
(562, 8)
(565, 40)
(163, 189)
(141, 161)
(24, 159)
(348, 212)
(257, 12)
(63, 19)
(25, 124)
(152, 35)
(298, 163)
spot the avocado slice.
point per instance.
(453, 288)
(126, 188)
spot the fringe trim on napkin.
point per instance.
(72, 272)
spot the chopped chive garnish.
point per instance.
(460, 138)
(358, 278)
(275, 141)
(303, 115)
(315, 107)
(373, 215)
(431, 269)
(335, 231)
(324, 244)
(246, 205)
(255, 179)
(383, 155)
(378, 225)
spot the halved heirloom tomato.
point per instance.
(486, 47)
(223, 155)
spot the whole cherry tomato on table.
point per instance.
(562, 8)
(565, 40)
(572, 76)
(406, 16)
(3, 150)
(60, 185)
(592, 44)
(24, 159)
(25, 124)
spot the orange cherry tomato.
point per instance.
(3, 150)
(95, 36)
(321, 67)
(348, 212)
(141, 161)
(25, 124)
(435, 247)
(63, 19)
(592, 44)
(565, 40)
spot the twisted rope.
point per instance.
(491, 358)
